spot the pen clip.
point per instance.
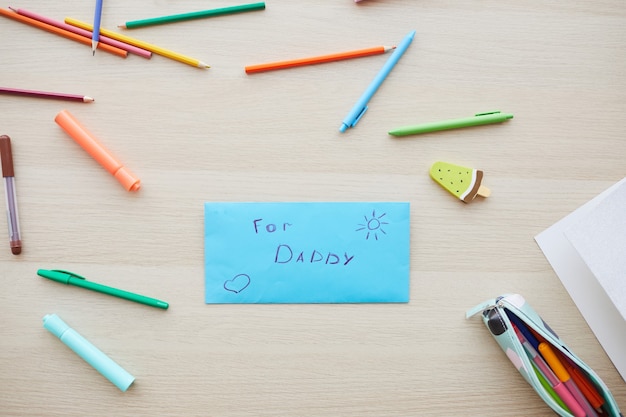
(358, 116)
(487, 113)
(71, 274)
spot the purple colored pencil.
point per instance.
(45, 94)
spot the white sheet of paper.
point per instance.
(601, 314)
(600, 239)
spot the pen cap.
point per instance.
(91, 354)
(7, 156)
(98, 152)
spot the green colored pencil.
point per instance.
(193, 15)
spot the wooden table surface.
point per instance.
(205, 135)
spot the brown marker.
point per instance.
(9, 186)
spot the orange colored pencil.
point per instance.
(61, 32)
(251, 69)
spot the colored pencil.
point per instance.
(103, 39)
(58, 31)
(317, 59)
(95, 34)
(140, 44)
(45, 94)
(193, 15)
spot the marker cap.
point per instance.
(98, 152)
(127, 179)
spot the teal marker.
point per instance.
(91, 354)
(477, 120)
(70, 278)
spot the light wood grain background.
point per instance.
(196, 135)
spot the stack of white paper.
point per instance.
(587, 250)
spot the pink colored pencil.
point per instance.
(85, 33)
(45, 94)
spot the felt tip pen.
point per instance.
(546, 385)
(564, 376)
(91, 354)
(361, 105)
(558, 387)
(476, 120)
(70, 278)
(6, 158)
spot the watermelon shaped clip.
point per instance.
(462, 182)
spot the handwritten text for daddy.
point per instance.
(285, 253)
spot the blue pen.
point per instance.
(95, 33)
(359, 108)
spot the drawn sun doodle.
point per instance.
(373, 225)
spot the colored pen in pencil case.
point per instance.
(562, 380)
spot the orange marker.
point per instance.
(61, 32)
(97, 151)
(317, 59)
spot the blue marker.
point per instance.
(359, 108)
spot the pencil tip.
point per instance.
(88, 99)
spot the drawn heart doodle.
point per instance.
(237, 284)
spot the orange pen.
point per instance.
(61, 32)
(317, 59)
(87, 141)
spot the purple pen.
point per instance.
(9, 186)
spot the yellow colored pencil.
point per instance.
(140, 44)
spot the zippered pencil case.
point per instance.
(564, 382)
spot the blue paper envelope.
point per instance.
(306, 252)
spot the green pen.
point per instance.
(477, 120)
(70, 278)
